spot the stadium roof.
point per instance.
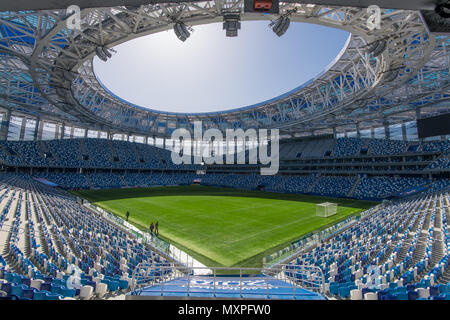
(46, 70)
(61, 4)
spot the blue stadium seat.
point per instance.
(123, 284)
(17, 290)
(6, 287)
(66, 292)
(413, 295)
(28, 293)
(40, 295)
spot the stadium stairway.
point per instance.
(135, 152)
(419, 251)
(111, 148)
(5, 150)
(124, 182)
(158, 155)
(360, 263)
(88, 179)
(353, 189)
(445, 278)
(278, 185)
(289, 151)
(366, 143)
(65, 235)
(405, 241)
(406, 245)
(316, 181)
(83, 147)
(437, 244)
(5, 232)
(54, 159)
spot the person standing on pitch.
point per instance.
(156, 228)
(151, 229)
(127, 214)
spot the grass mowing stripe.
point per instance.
(222, 226)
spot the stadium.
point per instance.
(344, 194)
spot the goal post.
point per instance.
(326, 209)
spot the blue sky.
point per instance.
(210, 72)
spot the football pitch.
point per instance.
(222, 226)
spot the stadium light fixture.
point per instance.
(181, 31)
(231, 24)
(281, 25)
(69, 75)
(377, 47)
(391, 75)
(103, 53)
(100, 54)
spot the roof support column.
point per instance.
(36, 128)
(57, 131)
(404, 135)
(418, 116)
(22, 128)
(386, 129)
(39, 130)
(5, 125)
(63, 129)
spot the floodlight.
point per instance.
(281, 26)
(391, 75)
(231, 24)
(101, 54)
(68, 75)
(377, 47)
(106, 52)
(181, 31)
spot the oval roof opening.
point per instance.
(210, 72)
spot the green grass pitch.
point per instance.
(222, 227)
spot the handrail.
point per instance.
(148, 274)
(159, 245)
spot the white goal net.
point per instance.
(326, 209)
